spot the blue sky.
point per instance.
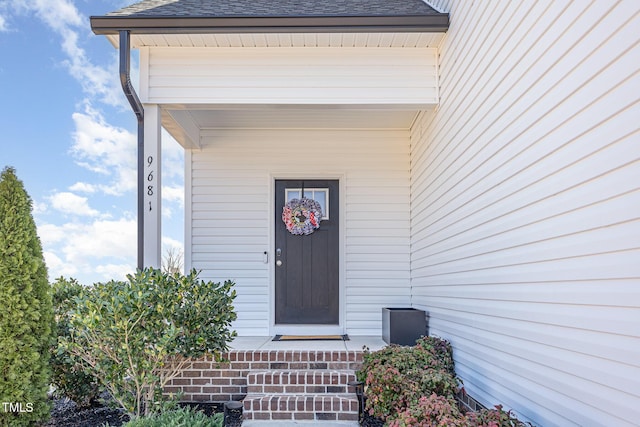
(70, 133)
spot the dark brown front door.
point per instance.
(307, 278)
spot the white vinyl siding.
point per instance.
(525, 207)
(231, 209)
(353, 76)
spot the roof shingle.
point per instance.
(275, 8)
(271, 16)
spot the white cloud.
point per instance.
(172, 175)
(114, 238)
(58, 14)
(169, 243)
(39, 207)
(115, 271)
(172, 158)
(105, 149)
(65, 19)
(58, 267)
(3, 24)
(95, 80)
(173, 194)
(50, 235)
(88, 251)
(70, 203)
(83, 187)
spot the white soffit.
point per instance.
(406, 40)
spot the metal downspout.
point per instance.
(136, 105)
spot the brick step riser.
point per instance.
(298, 407)
(299, 389)
(209, 381)
(301, 395)
(301, 416)
(301, 378)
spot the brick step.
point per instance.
(298, 407)
(299, 381)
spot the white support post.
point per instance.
(153, 185)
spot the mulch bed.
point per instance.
(66, 413)
(370, 421)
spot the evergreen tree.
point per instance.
(26, 315)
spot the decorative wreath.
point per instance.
(302, 216)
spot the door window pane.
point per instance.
(292, 194)
(321, 195)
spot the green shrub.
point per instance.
(417, 387)
(440, 349)
(70, 378)
(181, 417)
(496, 417)
(26, 316)
(432, 411)
(397, 377)
(136, 336)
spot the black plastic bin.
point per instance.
(403, 326)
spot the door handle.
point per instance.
(279, 263)
(278, 255)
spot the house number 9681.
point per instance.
(150, 179)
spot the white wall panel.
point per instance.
(231, 214)
(525, 207)
(389, 76)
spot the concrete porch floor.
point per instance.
(355, 343)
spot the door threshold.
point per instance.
(311, 338)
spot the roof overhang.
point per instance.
(110, 25)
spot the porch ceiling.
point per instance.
(185, 124)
